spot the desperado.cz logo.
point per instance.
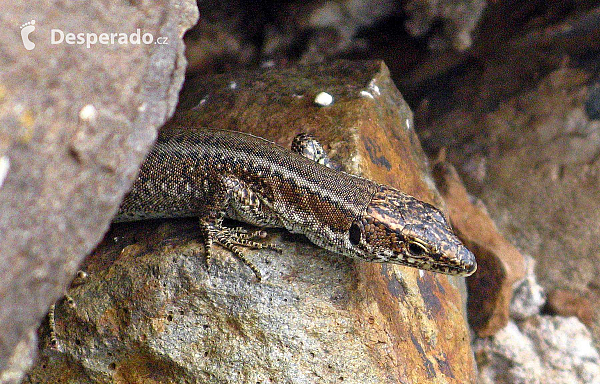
(58, 36)
(90, 38)
(26, 29)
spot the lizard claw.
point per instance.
(232, 239)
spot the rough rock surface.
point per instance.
(75, 123)
(225, 36)
(150, 308)
(542, 182)
(237, 34)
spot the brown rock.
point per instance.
(151, 308)
(500, 264)
(564, 302)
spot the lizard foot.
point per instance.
(54, 343)
(52, 325)
(232, 239)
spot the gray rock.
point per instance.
(565, 347)
(75, 124)
(507, 357)
(528, 296)
(542, 349)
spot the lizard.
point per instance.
(212, 174)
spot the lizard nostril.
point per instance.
(469, 263)
(470, 266)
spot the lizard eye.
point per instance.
(416, 249)
(355, 234)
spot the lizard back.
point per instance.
(181, 174)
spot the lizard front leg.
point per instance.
(238, 201)
(308, 146)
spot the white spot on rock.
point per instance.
(374, 88)
(201, 102)
(323, 99)
(88, 113)
(18, 108)
(366, 94)
(267, 64)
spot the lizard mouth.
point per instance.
(466, 268)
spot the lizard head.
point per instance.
(397, 228)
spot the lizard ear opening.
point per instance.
(355, 234)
